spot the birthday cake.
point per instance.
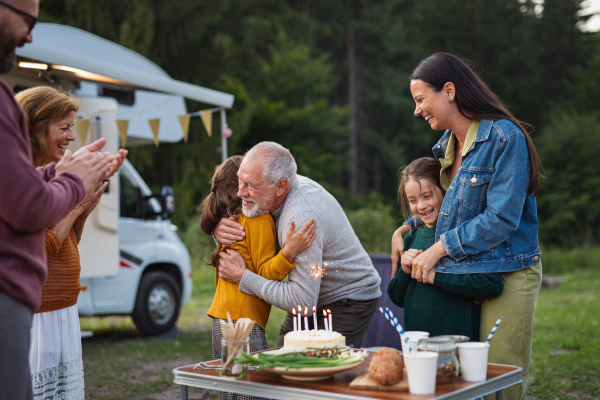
(300, 340)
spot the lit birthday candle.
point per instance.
(330, 320)
(306, 318)
(325, 320)
(294, 319)
(315, 318)
(299, 318)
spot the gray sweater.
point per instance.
(347, 269)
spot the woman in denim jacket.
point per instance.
(488, 219)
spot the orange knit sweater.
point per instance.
(62, 286)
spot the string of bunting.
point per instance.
(82, 125)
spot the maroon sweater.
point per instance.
(30, 201)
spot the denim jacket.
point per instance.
(488, 222)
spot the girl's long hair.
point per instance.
(422, 168)
(222, 202)
(475, 100)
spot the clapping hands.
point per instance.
(90, 165)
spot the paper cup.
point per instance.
(473, 360)
(414, 343)
(421, 369)
(412, 337)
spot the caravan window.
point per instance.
(131, 202)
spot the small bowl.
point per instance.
(457, 338)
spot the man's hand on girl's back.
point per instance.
(229, 231)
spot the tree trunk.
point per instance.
(352, 97)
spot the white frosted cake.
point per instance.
(300, 340)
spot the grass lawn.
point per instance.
(566, 340)
(121, 364)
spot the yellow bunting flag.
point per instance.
(184, 120)
(206, 116)
(154, 125)
(82, 126)
(123, 126)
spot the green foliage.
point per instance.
(129, 23)
(198, 243)
(374, 225)
(287, 102)
(560, 261)
(567, 204)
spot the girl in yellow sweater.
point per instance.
(258, 248)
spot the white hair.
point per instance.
(277, 161)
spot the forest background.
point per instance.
(330, 81)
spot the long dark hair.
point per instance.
(475, 100)
(222, 202)
(422, 168)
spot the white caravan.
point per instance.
(132, 261)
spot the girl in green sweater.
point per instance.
(449, 304)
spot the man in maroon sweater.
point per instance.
(30, 201)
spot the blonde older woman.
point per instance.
(55, 356)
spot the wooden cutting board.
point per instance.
(364, 381)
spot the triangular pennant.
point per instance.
(184, 120)
(123, 126)
(82, 126)
(206, 116)
(154, 125)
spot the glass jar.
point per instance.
(231, 350)
(447, 365)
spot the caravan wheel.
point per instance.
(157, 303)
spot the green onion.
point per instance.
(309, 358)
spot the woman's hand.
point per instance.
(91, 199)
(229, 231)
(407, 258)
(299, 241)
(423, 263)
(431, 276)
(398, 247)
(85, 208)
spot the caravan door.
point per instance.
(99, 246)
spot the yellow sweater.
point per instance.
(259, 251)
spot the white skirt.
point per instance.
(55, 355)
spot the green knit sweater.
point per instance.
(451, 306)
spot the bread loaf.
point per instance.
(387, 366)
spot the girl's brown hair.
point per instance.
(422, 168)
(222, 202)
(41, 106)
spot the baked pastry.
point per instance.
(387, 366)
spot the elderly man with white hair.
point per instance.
(334, 273)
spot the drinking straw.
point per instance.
(400, 330)
(385, 314)
(494, 329)
(394, 321)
